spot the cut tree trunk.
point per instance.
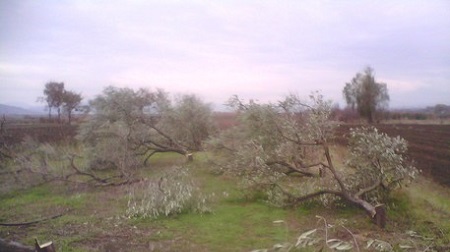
(380, 217)
(47, 247)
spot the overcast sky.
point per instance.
(255, 49)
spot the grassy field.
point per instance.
(94, 218)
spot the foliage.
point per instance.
(378, 159)
(293, 137)
(5, 149)
(56, 96)
(72, 101)
(174, 193)
(236, 225)
(129, 124)
(189, 121)
(368, 96)
(276, 140)
(318, 237)
(279, 139)
(36, 162)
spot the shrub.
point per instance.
(174, 193)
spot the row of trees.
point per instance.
(57, 97)
(362, 94)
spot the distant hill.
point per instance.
(12, 110)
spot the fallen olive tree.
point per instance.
(38, 163)
(136, 123)
(123, 130)
(276, 141)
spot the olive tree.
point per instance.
(127, 124)
(291, 137)
(366, 95)
(189, 121)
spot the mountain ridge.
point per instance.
(14, 110)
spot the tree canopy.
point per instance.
(56, 96)
(126, 124)
(71, 101)
(366, 95)
(274, 141)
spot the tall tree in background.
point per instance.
(54, 95)
(366, 95)
(71, 101)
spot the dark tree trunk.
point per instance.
(370, 118)
(59, 114)
(69, 116)
(380, 217)
(49, 112)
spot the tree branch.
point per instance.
(316, 194)
(331, 168)
(30, 222)
(291, 168)
(368, 189)
(79, 172)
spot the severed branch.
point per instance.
(150, 155)
(363, 191)
(79, 172)
(102, 181)
(343, 193)
(298, 142)
(30, 222)
(315, 194)
(291, 168)
(154, 147)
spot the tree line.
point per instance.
(64, 101)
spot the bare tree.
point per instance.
(366, 95)
(294, 137)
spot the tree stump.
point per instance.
(380, 217)
(190, 157)
(46, 247)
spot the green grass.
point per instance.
(31, 203)
(94, 216)
(232, 227)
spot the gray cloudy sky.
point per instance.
(256, 49)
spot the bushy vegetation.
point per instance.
(173, 193)
(293, 137)
(270, 174)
